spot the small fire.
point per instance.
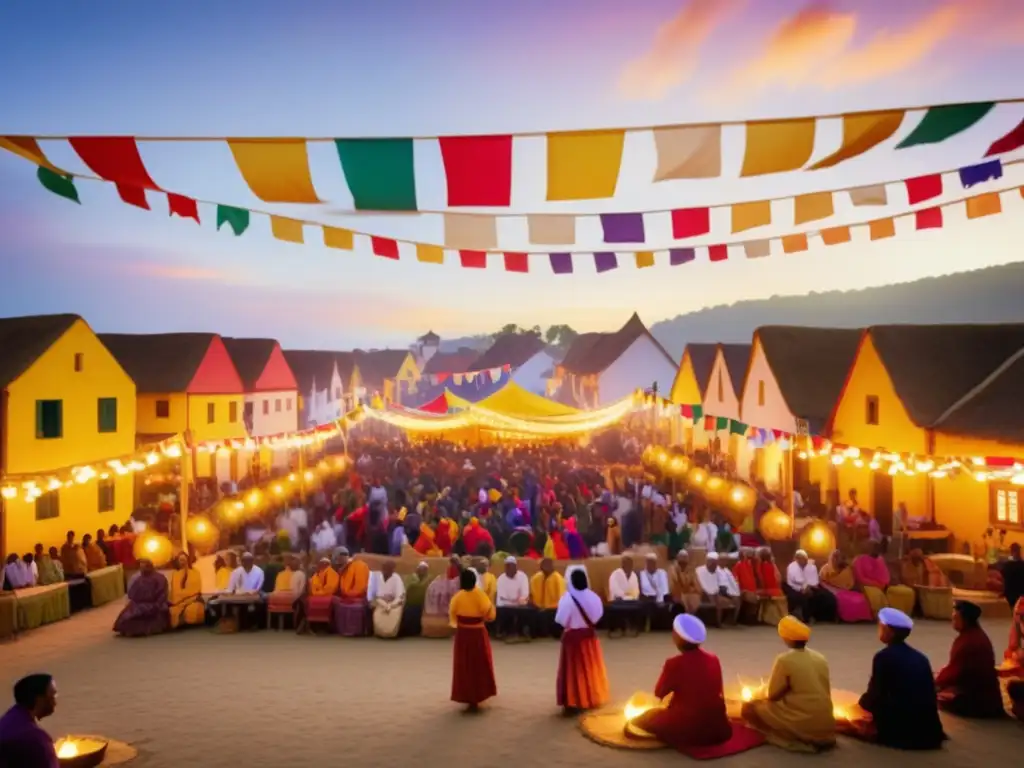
(747, 694)
(68, 748)
(840, 714)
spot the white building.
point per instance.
(320, 386)
(524, 355)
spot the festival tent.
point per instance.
(513, 400)
(438, 405)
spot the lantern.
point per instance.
(776, 525)
(660, 456)
(678, 465)
(154, 547)
(647, 457)
(817, 540)
(696, 477)
(201, 532)
(714, 490)
(742, 498)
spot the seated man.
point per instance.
(899, 706)
(246, 588)
(146, 612)
(387, 597)
(416, 585)
(683, 585)
(323, 588)
(654, 594)
(289, 589)
(94, 556)
(514, 616)
(73, 558)
(808, 600)
(745, 572)
(546, 588)
(488, 581)
(23, 743)
(969, 684)
(17, 575)
(774, 604)
(186, 594)
(720, 589)
(350, 606)
(624, 599)
(872, 575)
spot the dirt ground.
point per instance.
(276, 699)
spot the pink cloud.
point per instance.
(171, 272)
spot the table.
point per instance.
(79, 595)
(931, 542)
(106, 584)
(8, 615)
(42, 605)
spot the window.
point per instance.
(232, 411)
(49, 419)
(79, 362)
(871, 410)
(211, 413)
(277, 405)
(105, 489)
(266, 407)
(48, 506)
(163, 409)
(721, 388)
(106, 416)
(760, 392)
(1005, 505)
(288, 404)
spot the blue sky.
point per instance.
(423, 68)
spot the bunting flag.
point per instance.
(276, 170)
(718, 252)
(584, 165)
(605, 262)
(978, 174)
(984, 205)
(517, 262)
(691, 222)
(1011, 141)
(60, 184)
(688, 152)
(836, 235)
(561, 263)
(464, 230)
(751, 215)
(880, 229)
(473, 260)
(384, 247)
(941, 123)
(794, 243)
(812, 207)
(924, 188)
(236, 218)
(478, 170)
(929, 218)
(776, 146)
(757, 249)
(288, 230)
(429, 254)
(874, 194)
(552, 230)
(679, 256)
(862, 132)
(134, 196)
(185, 207)
(114, 158)
(380, 173)
(336, 237)
(27, 148)
(644, 259)
(623, 227)
(737, 428)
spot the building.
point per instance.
(913, 389)
(600, 368)
(389, 373)
(321, 390)
(524, 355)
(426, 346)
(722, 399)
(793, 381)
(186, 383)
(443, 364)
(691, 381)
(67, 402)
(352, 388)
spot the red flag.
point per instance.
(473, 259)
(183, 206)
(686, 411)
(385, 247)
(709, 423)
(479, 169)
(114, 158)
(1011, 141)
(929, 218)
(718, 252)
(923, 188)
(517, 262)
(133, 195)
(690, 222)
(818, 442)
(1000, 461)
(779, 434)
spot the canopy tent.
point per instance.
(513, 400)
(438, 405)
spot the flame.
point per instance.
(152, 545)
(747, 694)
(67, 749)
(840, 714)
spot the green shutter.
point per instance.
(49, 419)
(107, 414)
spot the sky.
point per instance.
(422, 69)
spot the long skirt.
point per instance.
(852, 606)
(350, 618)
(319, 609)
(141, 621)
(387, 623)
(472, 664)
(582, 677)
(773, 609)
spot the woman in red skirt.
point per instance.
(473, 668)
(582, 678)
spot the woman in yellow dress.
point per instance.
(223, 568)
(185, 597)
(796, 711)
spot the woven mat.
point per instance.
(608, 730)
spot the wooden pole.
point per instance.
(185, 486)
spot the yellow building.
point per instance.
(66, 403)
(930, 391)
(391, 373)
(186, 382)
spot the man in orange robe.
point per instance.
(351, 610)
(323, 586)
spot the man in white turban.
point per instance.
(720, 589)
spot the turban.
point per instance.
(690, 628)
(968, 610)
(793, 630)
(510, 560)
(652, 556)
(711, 556)
(800, 553)
(891, 617)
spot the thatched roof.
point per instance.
(512, 349)
(311, 365)
(592, 353)
(993, 413)
(452, 362)
(737, 358)
(159, 362)
(23, 340)
(250, 357)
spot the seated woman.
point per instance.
(969, 684)
(146, 612)
(437, 600)
(692, 717)
(223, 567)
(873, 577)
(837, 577)
(186, 601)
(796, 713)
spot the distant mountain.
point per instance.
(992, 295)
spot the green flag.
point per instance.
(939, 123)
(698, 412)
(721, 422)
(236, 218)
(379, 173)
(59, 184)
(737, 427)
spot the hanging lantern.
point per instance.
(696, 477)
(647, 457)
(678, 465)
(714, 490)
(776, 525)
(742, 498)
(201, 532)
(660, 457)
(818, 540)
(154, 547)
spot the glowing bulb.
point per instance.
(291, 477)
(858, 463)
(67, 750)
(838, 459)
(239, 505)
(747, 694)
(874, 465)
(818, 536)
(978, 462)
(53, 485)
(201, 526)
(802, 454)
(307, 476)
(893, 469)
(980, 477)
(1017, 479)
(152, 545)
(254, 498)
(9, 492)
(152, 458)
(278, 489)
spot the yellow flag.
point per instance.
(644, 259)
(28, 148)
(336, 237)
(882, 228)
(861, 133)
(812, 207)
(835, 235)
(984, 205)
(289, 230)
(429, 254)
(794, 243)
(551, 230)
(276, 170)
(750, 215)
(584, 165)
(775, 146)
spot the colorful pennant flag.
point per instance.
(185, 207)
(984, 205)
(336, 237)
(473, 259)
(757, 249)
(62, 185)
(813, 207)
(880, 229)
(516, 262)
(722, 423)
(940, 123)
(679, 256)
(690, 222)
(794, 243)
(978, 174)
(861, 132)
(923, 188)
(28, 148)
(286, 229)
(470, 232)
(561, 263)
(605, 261)
(584, 165)
(114, 158)
(928, 218)
(688, 152)
(135, 196)
(718, 252)
(874, 194)
(644, 259)
(384, 247)
(380, 173)
(236, 218)
(429, 254)
(276, 170)
(737, 428)
(835, 235)
(551, 229)
(776, 146)
(752, 215)
(478, 170)
(623, 227)
(1011, 141)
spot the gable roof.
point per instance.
(380, 364)
(346, 362)
(23, 340)
(736, 358)
(452, 362)
(512, 349)
(311, 365)
(810, 365)
(932, 367)
(429, 338)
(159, 362)
(250, 357)
(595, 352)
(702, 360)
(984, 414)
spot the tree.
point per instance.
(560, 335)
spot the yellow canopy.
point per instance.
(513, 400)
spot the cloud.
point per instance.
(172, 272)
(675, 50)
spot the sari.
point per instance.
(186, 602)
(852, 605)
(146, 612)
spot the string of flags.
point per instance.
(486, 376)
(581, 165)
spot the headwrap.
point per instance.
(894, 618)
(970, 611)
(711, 556)
(690, 628)
(510, 560)
(800, 553)
(793, 630)
(652, 556)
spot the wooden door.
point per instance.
(881, 500)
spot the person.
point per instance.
(48, 566)
(73, 558)
(436, 620)
(94, 556)
(745, 572)
(472, 664)
(185, 598)
(546, 589)
(386, 596)
(488, 581)
(969, 684)
(796, 711)
(1013, 656)
(23, 743)
(683, 585)
(324, 538)
(837, 577)
(289, 589)
(899, 707)
(654, 593)
(720, 588)
(693, 717)
(774, 604)
(872, 575)
(323, 587)
(916, 570)
(624, 598)
(350, 605)
(246, 578)
(582, 681)
(1013, 577)
(804, 593)
(146, 612)
(223, 567)
(16, 574)
(416, 584)
(513, 614)
(246, 582)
